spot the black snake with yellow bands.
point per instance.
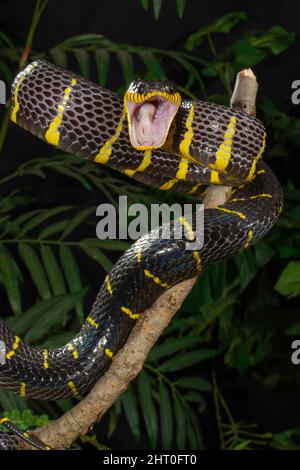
(154, 137)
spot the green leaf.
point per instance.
(194, 430)
(247, 352)
(263, 253)
(53, 318)
(92, 440)
(246, 54)
(222, 25)
(192, 439)
(153, 65)
(42, 217)
(277, 118)
(129, 402)
(57, 340)
(166, 416)
(195, 397)
(114, 414)
(102, 61)
(195, 383)
(83, 59)
(25, 419)
(173, 346)
(113, 245)
(59, 57)
(145, 4)
(72, 276)
(5, 72)
(156, 8)
(14, 200)
(286, 251)
(180, 7)
(10, 401)
(5, 40)
(76, 221)
(201, 294)
(74, 175)
(35, 269)
(44, 314)
(277, 39)
(21, 219)
(247, 268)
(148, 407)
(10, 279)
(287, 440)
(53, 228)
(126, 63)
(294, 214)
(191, 69)
(38, 172)
(242, 445)
(97, 255)
(82, 40)
(53, 271)
(187, 360)
(64, 404)
(218, 280)
(288, 283)
(293, 330)
(180, 419)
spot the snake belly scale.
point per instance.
(206, 144)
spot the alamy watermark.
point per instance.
(2, 353)
(295, 357)
(296, 94)
(2, 92)
(165, 221)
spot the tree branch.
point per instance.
(129, 361)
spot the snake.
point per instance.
(155, 136)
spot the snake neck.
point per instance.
(225, 140)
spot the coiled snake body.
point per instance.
(156, 138)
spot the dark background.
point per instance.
(126, 21)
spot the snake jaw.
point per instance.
(149, 120)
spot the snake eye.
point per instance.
(149, 117)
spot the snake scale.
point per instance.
(155, 137)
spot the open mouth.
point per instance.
(150, 120)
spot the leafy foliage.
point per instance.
(26, 420)
(157, 4)
(237, 314)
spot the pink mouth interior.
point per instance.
(150, 121)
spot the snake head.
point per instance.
(150, 108)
